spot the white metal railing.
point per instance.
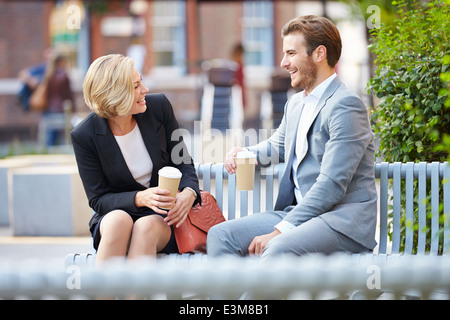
(312, 276)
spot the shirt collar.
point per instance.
(320, 89)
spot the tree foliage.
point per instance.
(412, 119)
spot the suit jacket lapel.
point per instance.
(107, 143)
(109, 147)
(334, 85)
(112, 153)
(294, 114)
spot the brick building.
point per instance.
(171, 38)
(20, 46)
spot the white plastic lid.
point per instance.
(170, 172)
(245, 155)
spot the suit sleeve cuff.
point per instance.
(284, 226)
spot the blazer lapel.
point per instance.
(107, 144)
(293, 112)
(291, 129)
(334, 85)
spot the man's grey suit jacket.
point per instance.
(336, 173)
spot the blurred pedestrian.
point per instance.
(31, 77)
(238, 57)
(59, 92)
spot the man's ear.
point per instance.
(320, 54)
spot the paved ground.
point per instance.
(21, 249)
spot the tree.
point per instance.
(411, 81)
(412, 117)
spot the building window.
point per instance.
(257, 24)
(169, 39)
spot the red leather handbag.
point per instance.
(191, 234)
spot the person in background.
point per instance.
(30, 78)
(238, 57)
(59, 92)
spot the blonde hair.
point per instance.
(108, 86)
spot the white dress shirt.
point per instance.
(136, 155)
(310, 102)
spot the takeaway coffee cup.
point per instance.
(245, 170)
(169, 179)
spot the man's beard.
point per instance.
(307, 76)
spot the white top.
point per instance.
(311, 103)
(136, 156)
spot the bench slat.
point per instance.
(257, 192)
(409, 207)
(446, 199)
(231, 196)
(434, 207)
(206, 168)
(396, 207)
(422, 207)
(218, 170)
(243, 203)
(269, 187)
(383, 207)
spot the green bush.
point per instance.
(411, 117)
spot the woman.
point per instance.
(119, 149)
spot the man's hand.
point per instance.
(258, 244)
(229, 163)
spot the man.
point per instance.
(327, 199)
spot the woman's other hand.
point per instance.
(154, 198)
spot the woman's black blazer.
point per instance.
(108, 182)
